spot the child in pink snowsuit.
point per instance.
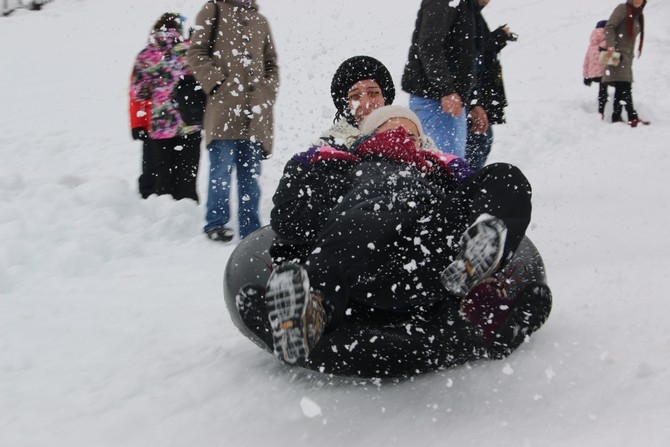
(593, 68)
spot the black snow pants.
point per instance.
(392, 259)
(178, 161)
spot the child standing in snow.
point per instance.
(158, 68)
(593, 68)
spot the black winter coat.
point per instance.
(490, 88)
(442, 54)
(310, 192)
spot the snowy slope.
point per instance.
(113, 329)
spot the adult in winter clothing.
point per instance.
(594, 69)
(140, 127)
(360, 85)
(439, 74)
(624, 25)
(387, 225)
(158, 68)
(490, 87)
(233, 56)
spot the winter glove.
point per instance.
(139, 133)
(587, 82)
(316, 154)
(457, 168)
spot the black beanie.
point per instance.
(354, 69)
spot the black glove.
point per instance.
(587, 81)
(139, 133)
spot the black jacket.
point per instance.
(442, 55)
(312, 192)
(490, 89)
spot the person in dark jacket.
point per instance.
(490, 87)
(388, 225)
(439, 74)
(360, 85)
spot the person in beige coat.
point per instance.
(623, 27)
(233, 56)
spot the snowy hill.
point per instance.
(113, 328)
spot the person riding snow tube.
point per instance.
(491, 321)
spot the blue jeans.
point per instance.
(478, 148)
(447, 131)
(245, 156)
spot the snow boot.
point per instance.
(223, 234)
(635, 121)
(296, 313)
(482, 247)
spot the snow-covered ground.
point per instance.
(113, 328)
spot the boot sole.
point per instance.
(286, 296)
(458, 277)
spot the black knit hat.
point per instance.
(353, 70)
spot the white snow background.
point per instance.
(113, 327)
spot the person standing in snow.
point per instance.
(389, 225)
(490, 87)
(624, 25)
(158, 68)
(594, 69)
(233, 57)
(440, 73)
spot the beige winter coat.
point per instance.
(617, 36)
(241, 79)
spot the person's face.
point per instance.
(483, 3)
(364, 97)
(407, 124)
(637, 3)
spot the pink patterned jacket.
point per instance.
(157, 70)
(592, 66)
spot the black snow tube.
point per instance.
(379, 344)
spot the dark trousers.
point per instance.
(179, 159)
(392, 260)
(478, 148)
(147, 179)
(623, 97)
(602, 97)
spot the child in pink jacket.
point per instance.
(593, 68)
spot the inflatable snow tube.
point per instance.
(373, 343)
